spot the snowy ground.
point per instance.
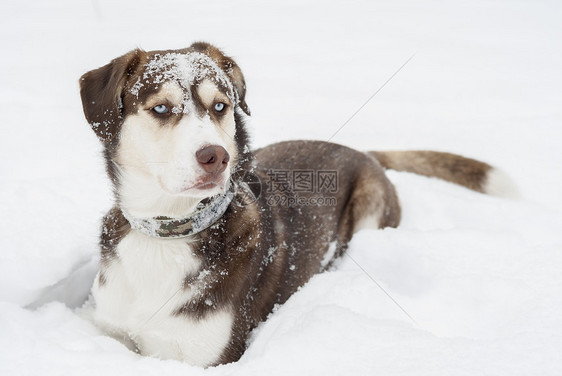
(479, 275)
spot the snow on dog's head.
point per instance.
(172, 125)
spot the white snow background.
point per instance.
(480, 275)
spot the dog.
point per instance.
(206, 235)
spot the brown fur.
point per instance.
(114, 228)
(102, 92)
(453, 168)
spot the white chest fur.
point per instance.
(144, 287)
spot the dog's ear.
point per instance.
(229, 66)
(237, 78)
(102, 90)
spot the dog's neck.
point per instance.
(204, 215)
(156, 213)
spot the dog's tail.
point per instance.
(470, 173)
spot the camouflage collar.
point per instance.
(172, 228)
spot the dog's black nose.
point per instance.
(213, 158)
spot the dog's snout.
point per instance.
(213, 158)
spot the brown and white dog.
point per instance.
(196, 251)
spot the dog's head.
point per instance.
(172, 125)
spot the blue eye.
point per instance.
(219, 106)
(160, 109)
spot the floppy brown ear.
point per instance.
(239, 85)
(101, 91)
(229, 66)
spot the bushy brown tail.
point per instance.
(470, 173)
